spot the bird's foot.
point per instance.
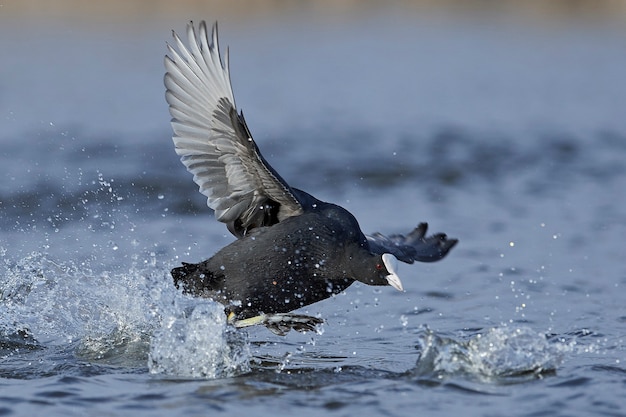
(279, 323)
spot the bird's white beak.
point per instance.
(391, 263)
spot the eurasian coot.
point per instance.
(292, 249)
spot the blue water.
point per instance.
(509, 135)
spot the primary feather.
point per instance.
(214, 142)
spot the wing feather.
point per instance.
(213, 140)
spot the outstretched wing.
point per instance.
(413, 247)
(214, 142)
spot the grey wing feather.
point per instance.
(415, 246)
(214, 142)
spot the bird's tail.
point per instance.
(189, 278)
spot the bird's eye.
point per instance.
(379, 267)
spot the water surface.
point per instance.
(505, 134)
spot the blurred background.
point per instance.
(52, 50)
(159, 9)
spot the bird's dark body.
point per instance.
(289, 265)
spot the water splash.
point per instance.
(199, 344)
(499, 354)
(60, 303)
(132, 319)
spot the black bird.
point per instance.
(292, 249)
